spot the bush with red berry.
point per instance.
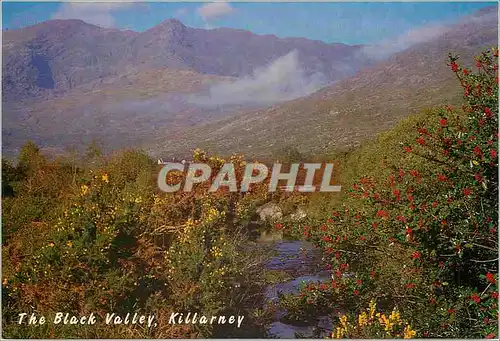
(425, 240)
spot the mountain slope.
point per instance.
(53, 57)
(236, 53)
(353, 109)
(116, 111)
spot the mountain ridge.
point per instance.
(344, 114)
(137, 101)
(50, 58)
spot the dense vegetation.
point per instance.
(412, 245)
(418, 231)
(103, 239)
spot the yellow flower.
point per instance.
(384, 321)
(51, 244)
(198, 154)
(216, 252)
(371, 308)
(84, 189)
(395, 316)
(69, 243)
(5, 281)
(343, 321)
(409, 333)
(105, 178)
(340, 333)
(213, 214)
(362, 319)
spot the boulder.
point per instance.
(270, 212)
(299, 214)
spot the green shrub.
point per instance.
(422, 235)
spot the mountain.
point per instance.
(353, 109)
(173, 88)
(233, 52)
(66, 82)
(53, 57)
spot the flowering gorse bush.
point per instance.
(119, 245)
(373, 324)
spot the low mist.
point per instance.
(282, 80)
(412, 37)
(427, 33)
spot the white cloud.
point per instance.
(414, 36)
(280, 81)
(487, 17)
(100, 14)
(214, 10)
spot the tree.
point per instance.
(30, 159)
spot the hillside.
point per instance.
(55, 56)
(119, 111)
(353, 109)
(66, 82)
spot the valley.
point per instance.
(395, 237)
(171, 107)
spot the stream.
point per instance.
(302, 261)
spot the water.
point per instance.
(302, 261)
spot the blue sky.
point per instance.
(350, 23)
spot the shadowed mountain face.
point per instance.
(60, 55)
(52, 57)
(346, 113)
(44, 72)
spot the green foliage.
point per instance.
(30, 158)
(9, 175)
(101, 239)
(416, 232)
(419, 229)
(289, 155)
